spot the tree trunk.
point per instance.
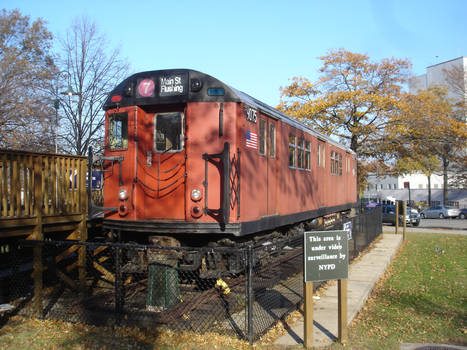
(445, 180)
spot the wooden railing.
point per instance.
(38, 189)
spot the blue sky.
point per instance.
(258, 46)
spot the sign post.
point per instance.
(325, 258)
(308, 312)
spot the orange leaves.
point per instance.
(353, 99)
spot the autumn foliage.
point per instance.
(354, 99)
(362, 103)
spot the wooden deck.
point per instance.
(42, 194)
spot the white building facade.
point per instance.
(382, 187)
(413, 187)
(436, 75)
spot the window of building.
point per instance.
(118, 131)
(307, 155)
(262, 137)
(168, 132)
(272, 140)
(292, 141)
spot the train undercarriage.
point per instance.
(211, 255)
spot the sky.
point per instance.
(257, 46)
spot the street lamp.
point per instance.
(70, 92)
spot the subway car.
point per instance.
(192, 159)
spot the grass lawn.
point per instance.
(422, 298)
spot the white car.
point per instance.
(440, 211)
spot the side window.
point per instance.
(333, 163)
(292, 141)
(300, 156)
(118, 131)
(272, 140)
(262, 137)
(340, 164)
(321, 155)
(307, 155)
(168, 132)
(336, 163)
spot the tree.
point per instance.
(89, 72)
(26, 69)
(354, 99)
(456, 80)
(426, 137)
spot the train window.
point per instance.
(118, 131)
(339, 163)
(321, 155)
(333, 163)
(262, 137)
(168, 132)
(336, 163)
(300, 156)
(292, 140)
(272, 140)
(307, 155)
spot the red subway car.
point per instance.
(187, 155)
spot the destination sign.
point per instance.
(326, 255)
(173, 85)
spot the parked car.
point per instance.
(463, 213)
(389, 216)
(440, 211)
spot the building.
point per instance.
(451, 74)
(413, 187)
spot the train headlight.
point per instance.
(123, 194)
(196, 195)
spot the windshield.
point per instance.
(168, 132)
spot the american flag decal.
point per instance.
(251, 139)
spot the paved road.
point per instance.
(457, 226)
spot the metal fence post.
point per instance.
(250, 293)
(118, 288)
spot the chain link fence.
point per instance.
(176, 288)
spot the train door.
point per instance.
(161, 164)
(119, 158)
(322, 174)
(272, 184)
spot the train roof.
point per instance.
(184, 85)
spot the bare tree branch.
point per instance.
(92, 70)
